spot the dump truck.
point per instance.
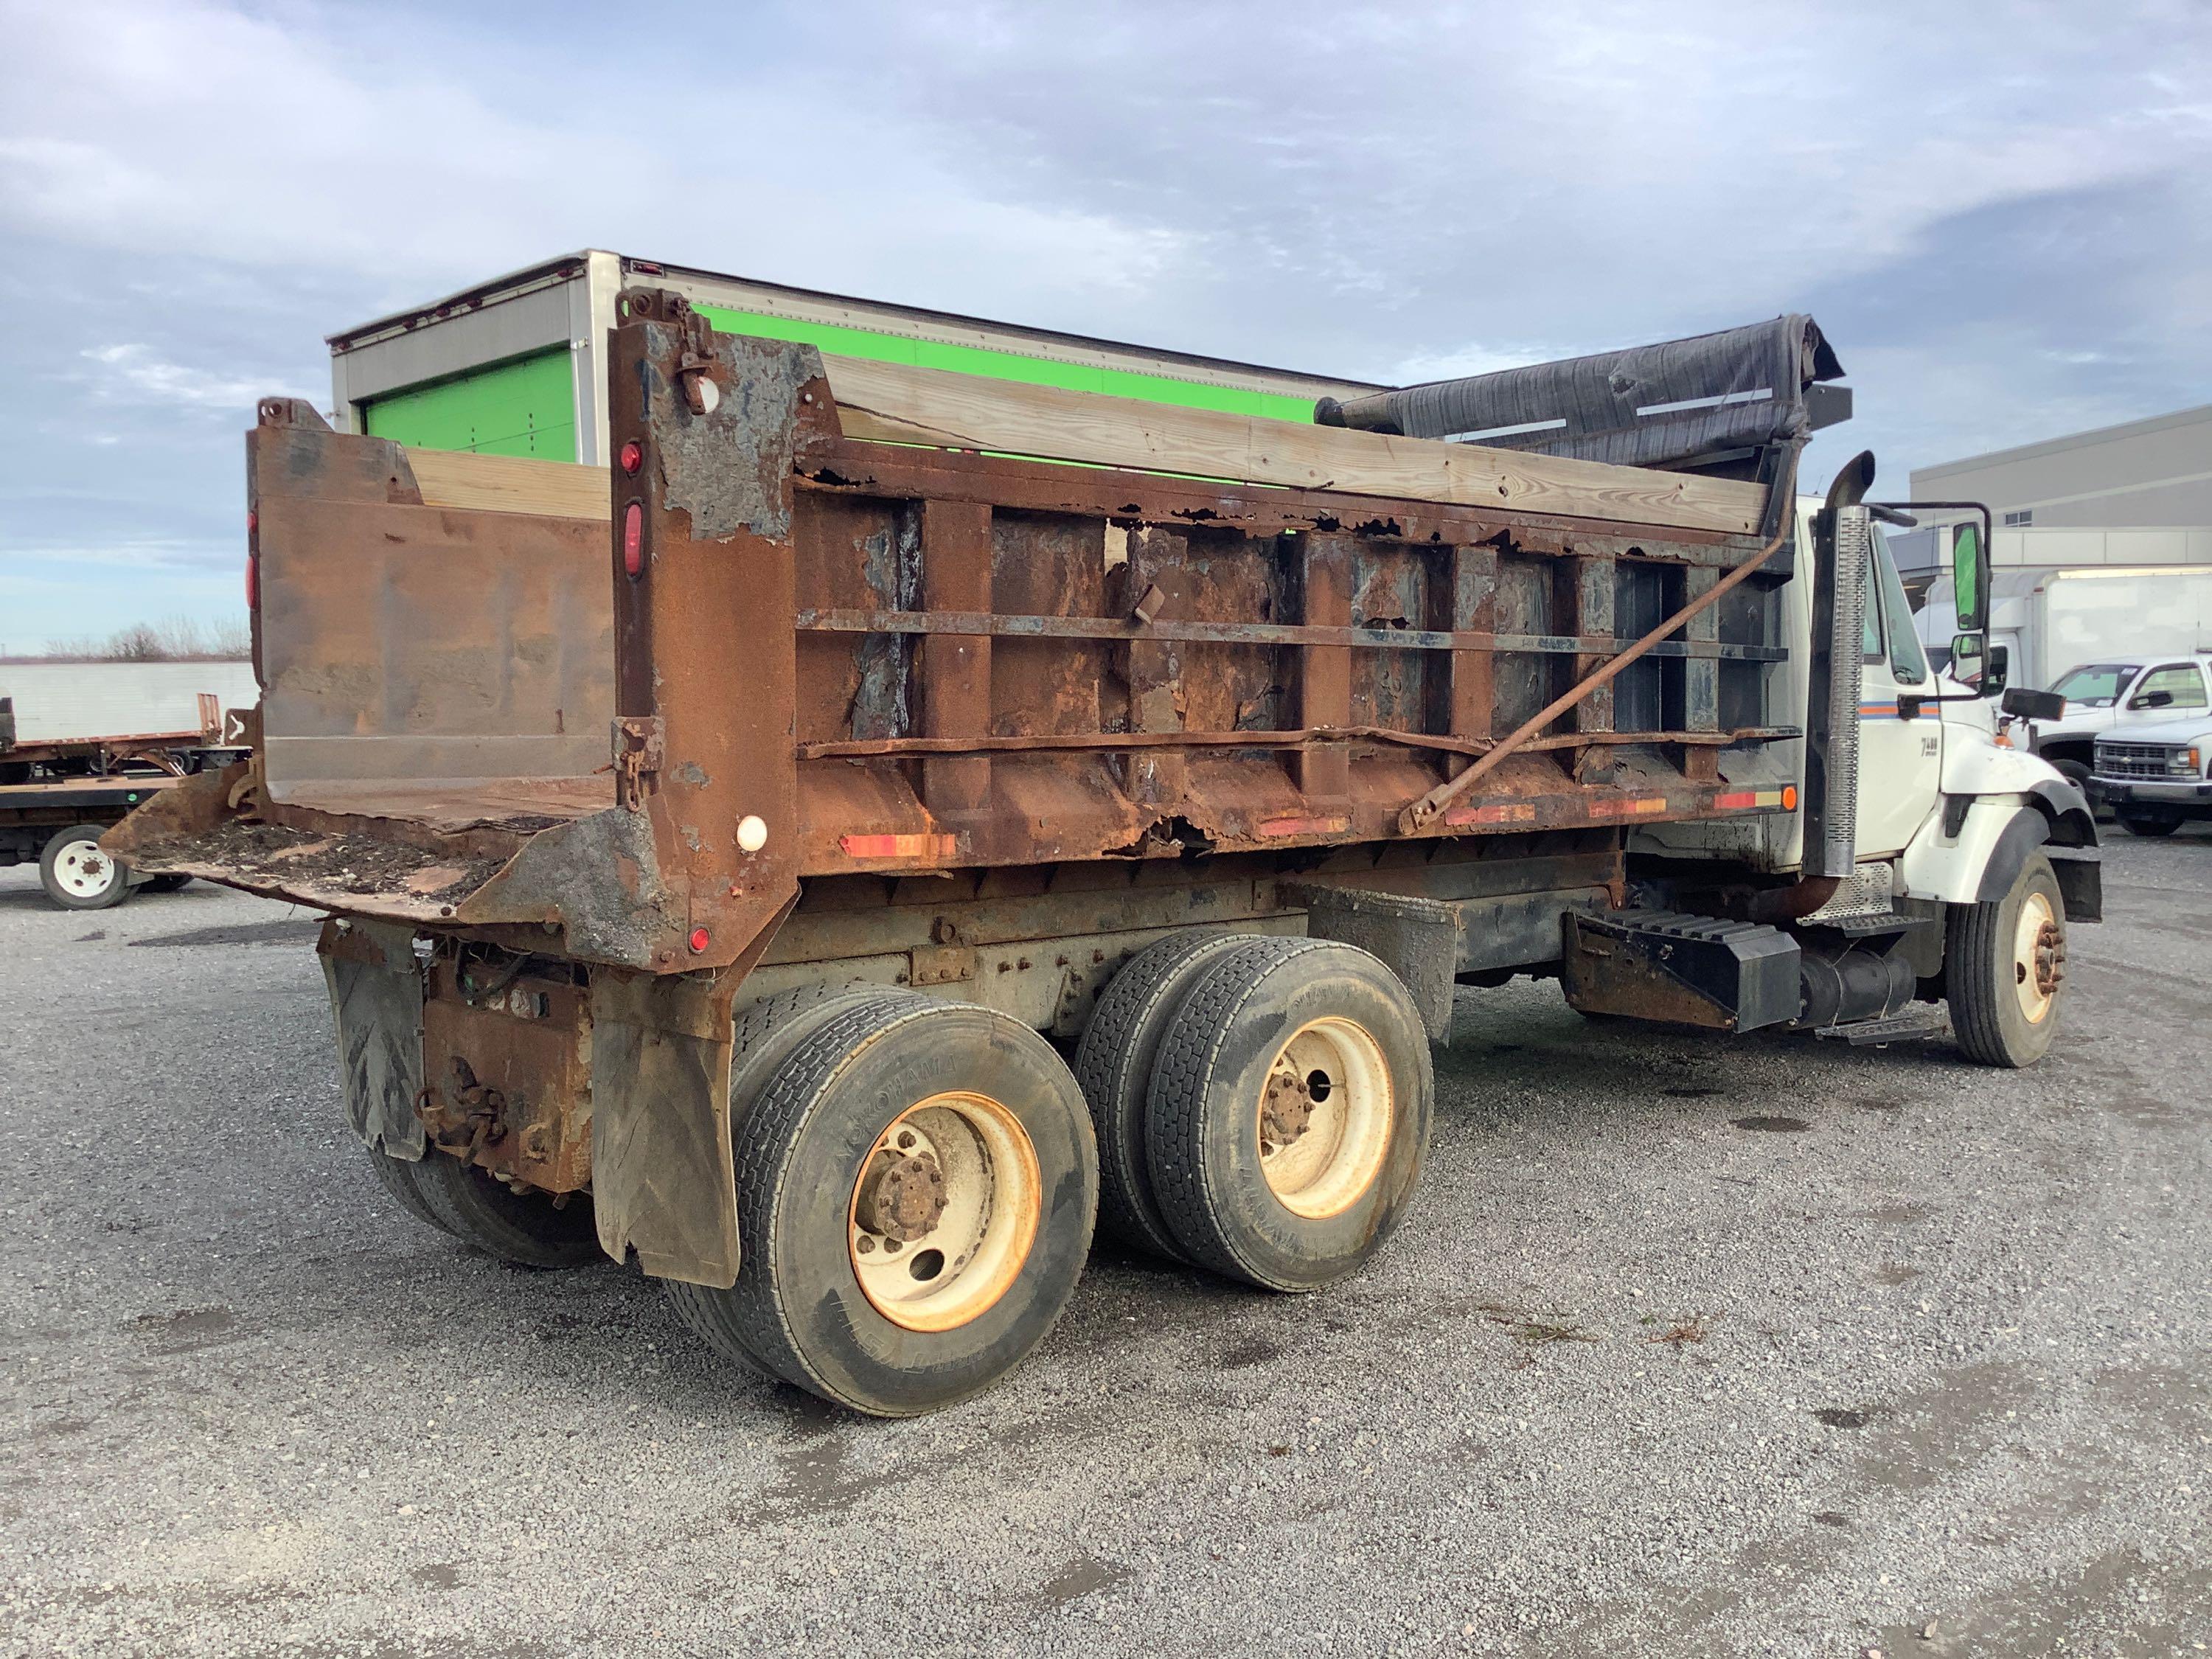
(883, 821)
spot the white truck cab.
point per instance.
(1936, 857)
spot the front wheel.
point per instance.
(77, 875)
(2004, 962)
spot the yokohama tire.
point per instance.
(1989, 981)
(1275, 1009)
(1114, 1064)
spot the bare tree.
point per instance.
(177, 639)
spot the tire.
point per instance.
(526, 1228)
(1114, 1065)
(2001, 1012)
(1338, 1016)
(77, 875)
(165, 883)
(762, 1037)
(400, 1180)
(846, 1095)
(2136, 824)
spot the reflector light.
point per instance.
(633, 457)
(253, 581)
(1789, 797)
(633, 540)
(700, 940)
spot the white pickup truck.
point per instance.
(2101, 697)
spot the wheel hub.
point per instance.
(2050, 959)
(1285, 1108)
(902, 1196)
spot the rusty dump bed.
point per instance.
(827, 619)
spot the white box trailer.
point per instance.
(83, 703)
(516, 366)
(81, 744)
(2050, 621)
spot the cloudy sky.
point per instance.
(1999, 213)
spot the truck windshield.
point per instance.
(2095, 684)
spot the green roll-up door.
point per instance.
(525, 407)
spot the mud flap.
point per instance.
(376, 997)
(664, 1183)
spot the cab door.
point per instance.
(1900, 760)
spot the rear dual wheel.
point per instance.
(1287, 1114)
(1261, 1104)
(917, 1183)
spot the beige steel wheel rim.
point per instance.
(1324, 1118)
(2039, 949)
(944, 1211)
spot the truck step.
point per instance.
(1915, 1024)
(1880, 922)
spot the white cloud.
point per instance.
(134, 374)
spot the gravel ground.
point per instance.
(1692, 1346)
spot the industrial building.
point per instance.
(2137, 494)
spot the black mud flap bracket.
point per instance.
(1685, 971)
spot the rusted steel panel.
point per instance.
(1323, 771)
(406, 642)
(505, 1061)
(957, 685)
(707, 523)
(1155, 565)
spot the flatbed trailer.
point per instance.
(717, 840)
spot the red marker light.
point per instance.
(633, 541)
(700, 940)
(253, 581)
(633, 457)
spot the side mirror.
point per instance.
(2153, 700)
(2033, 705)
(1966, 657)
(1970, 578)
(1999, 670)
